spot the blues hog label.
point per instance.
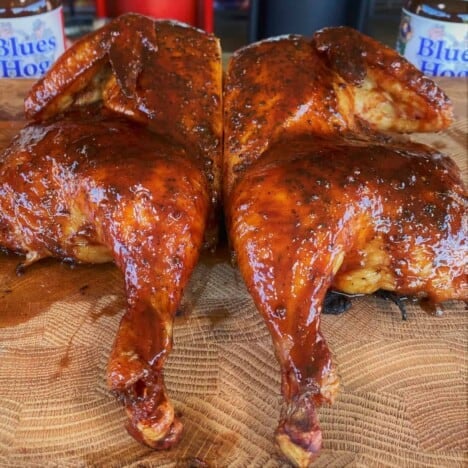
(437, 48)
(30, 45)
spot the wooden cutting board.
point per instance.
(403, 400)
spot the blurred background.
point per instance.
(238, 22)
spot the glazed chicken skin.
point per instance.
(317, 198)
(165, 75)
(122, 164)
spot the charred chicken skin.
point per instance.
(317, 197)
(122, 164)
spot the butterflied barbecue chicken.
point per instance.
(317, 197)
(122, 163)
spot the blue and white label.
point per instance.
(30, 45)
(437, 48)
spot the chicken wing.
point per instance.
(122, 164)
(317, 197)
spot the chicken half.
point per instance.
(122, 164)
(317, 197)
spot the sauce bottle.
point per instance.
(31, 37)
(433, 35)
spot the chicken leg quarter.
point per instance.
(317, 198)
(122, 164)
